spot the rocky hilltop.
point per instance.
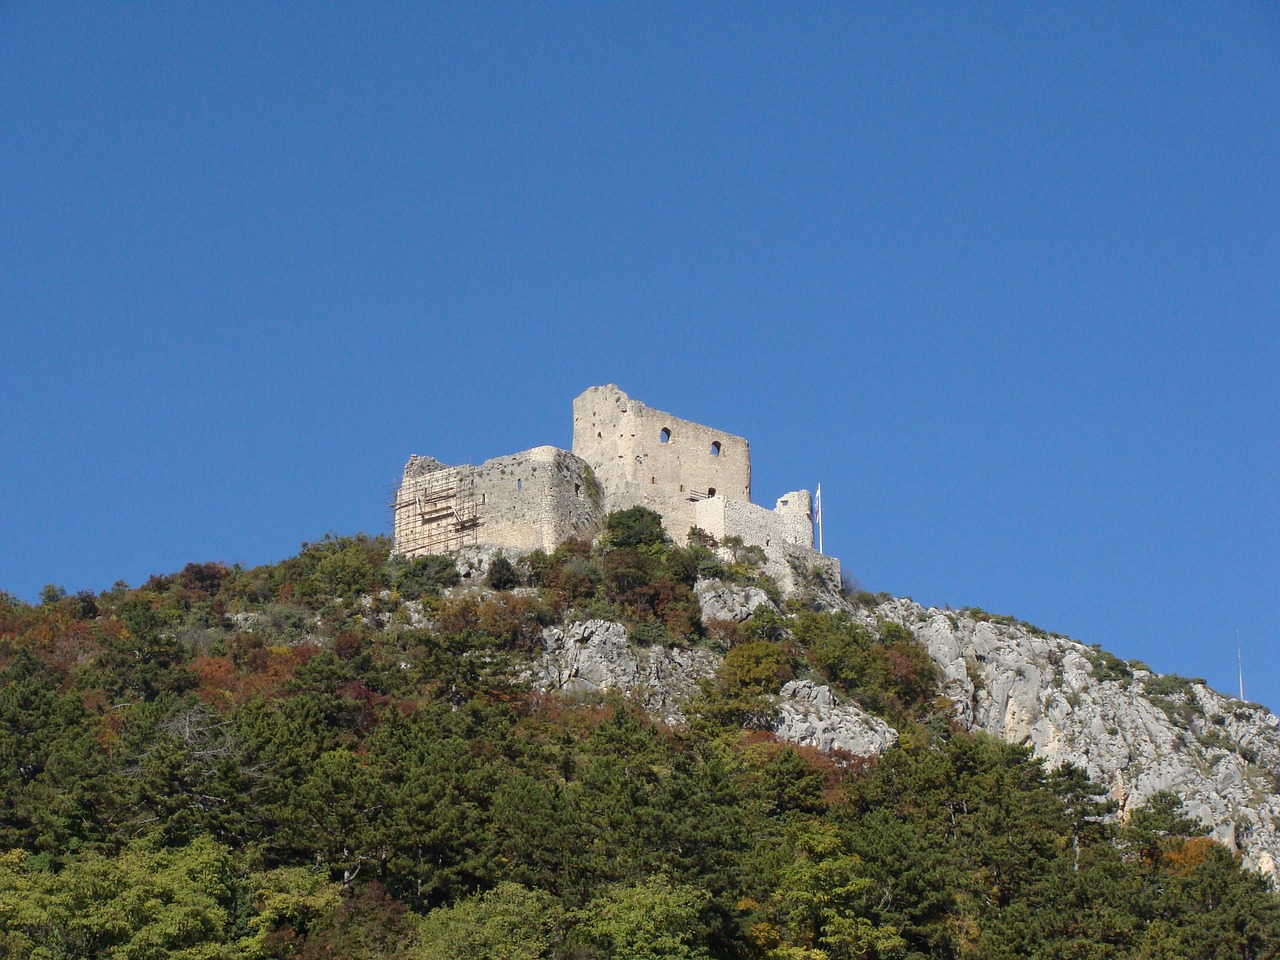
(365, 755)
(1135, 731)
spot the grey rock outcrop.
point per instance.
(729, 601)
(810, 714)
(472, 563)
(1135, 731)
(595, 656)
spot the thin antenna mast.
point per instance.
(1240, 664)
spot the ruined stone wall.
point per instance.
(432, 512)
(529, 500)
(648, 457)
(538, 498)
(784, 533)
(789, 522)
(624, 455)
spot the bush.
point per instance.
(1107, 666)
(415, 577)
(891, 673)
(1169, 685)
(869, 601)
(750, 675)
(502, 573)
(636, 527)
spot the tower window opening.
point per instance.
(665, 435)
(711, 491)
(519, 485)
(715, 448)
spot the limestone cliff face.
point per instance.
(595, 656)
(589, 657)
(1135, 731)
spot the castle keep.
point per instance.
(625, 454)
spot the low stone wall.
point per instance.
(789, 522)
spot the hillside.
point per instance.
(621, 749)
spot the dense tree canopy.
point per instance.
(333, 756)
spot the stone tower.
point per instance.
(643, 456)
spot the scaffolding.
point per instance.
(436, 513)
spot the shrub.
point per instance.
(869, 601)
(502, 573)
(891, 673)
(741, 693)
(1169, 685)
(1107, 666)
(415, 577)
(636, 527)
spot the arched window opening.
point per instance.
(665, 435)
(519, 485)
(715, 448)
(711, 491)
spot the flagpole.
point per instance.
(820, 518)
(1240, 665)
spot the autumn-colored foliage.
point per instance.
(335, 756)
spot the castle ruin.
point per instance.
(625, 454)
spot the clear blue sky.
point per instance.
(1005, 278)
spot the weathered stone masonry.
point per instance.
(625, 454)
(535, 499)
(650, 458)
